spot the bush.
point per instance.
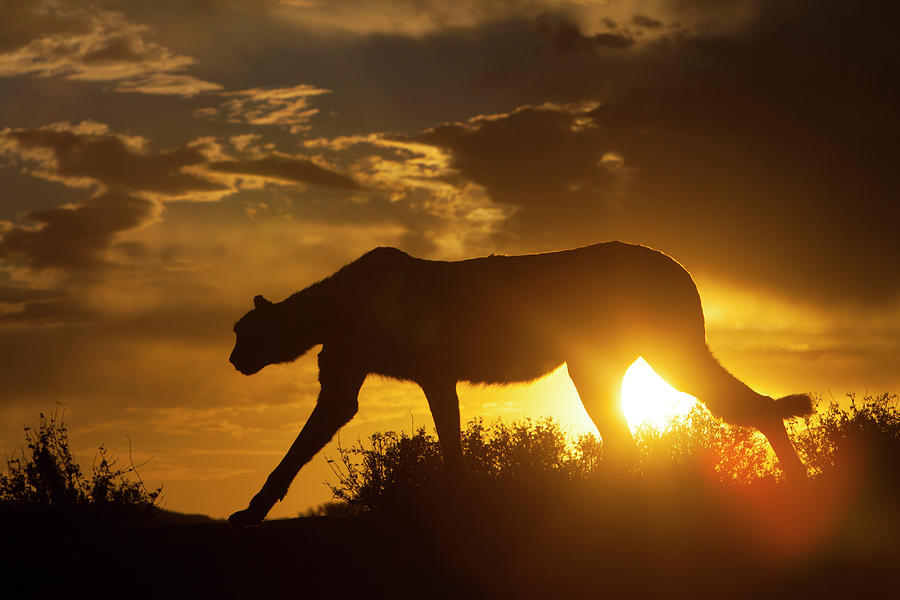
(838, 439)
(44, 479)
(399, 464)
(396, 465)
(700, 442)
(527, 449)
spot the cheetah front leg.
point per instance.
(337, 404)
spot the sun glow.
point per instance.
(648, 400)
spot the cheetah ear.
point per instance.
(259, 302)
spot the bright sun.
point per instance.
(648, 400)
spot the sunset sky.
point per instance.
(163, 162)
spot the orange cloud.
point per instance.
(81, 42)
(280, 167)
(284, 107)
(73, 237)
(89, 155)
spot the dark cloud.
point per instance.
(767, 154)
(381, 81)
(115, 49)
(286, 168)
(552, 163)
(16, 294)
(646, 22)
(112, 161)
(764, 155)
(729, 146)
(74, 237)
(566, 36)
(23, 23)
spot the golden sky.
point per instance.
(161, 163)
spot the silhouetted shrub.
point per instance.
(45, 480)
(700, 442)
(395, 464)
(866, 433)
(527, 449)
(399, 463)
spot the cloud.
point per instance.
(144, 332)
(284, 168)
(284, 107)
(417, 18)
(166, 84)
(762, 134)
(128, 182)
(758, 152)
(88, 154)
(409, 17)
(566, 36)
(73, 237)
(551, 164)
(646, 22)
(16, 294)
(80, 41)
(415, 184)
(25, 21)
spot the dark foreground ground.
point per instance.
(677, 538)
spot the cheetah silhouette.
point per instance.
(498, 320)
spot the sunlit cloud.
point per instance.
(85, 43)
(785, 343)
(280, 167)
(88, 154)
(167, 84)
(421, 177)
(128, 181)
(290, 108)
